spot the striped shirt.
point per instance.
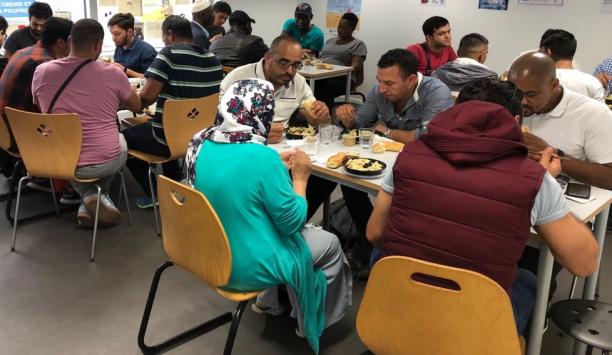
(187, 72)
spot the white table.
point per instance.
(312, 74)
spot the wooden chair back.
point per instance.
(49, 144)
(184, 118)
(193, 235)
(5, 138)
(404, 312)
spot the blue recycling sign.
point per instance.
(14, 8)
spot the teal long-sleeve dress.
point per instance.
(251, 190)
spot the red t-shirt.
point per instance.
(436, 60)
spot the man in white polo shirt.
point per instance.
(291, 92)
(561, 45)
(579, 128)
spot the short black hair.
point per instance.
(351, 18)
(282, 38)
(432, 24)
(222, 6)
(471, 43)
(562, 44)
(3, 24)
(503, 93)
(180, 26)
(55, 28)
(124, 20)
(405, 60)
(40, 10)
(86, 32)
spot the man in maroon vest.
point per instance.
(467, 190)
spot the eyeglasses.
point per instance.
(285, 64)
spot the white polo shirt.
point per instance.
(582, 83)
(578, 125)
(286, 99)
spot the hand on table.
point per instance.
(346, 114)
(276, 132)
(380, 126)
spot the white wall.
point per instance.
(387, 24)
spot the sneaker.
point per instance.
(70, 198)
(146, 202)
(108, 214)
(40, 184)
(84, 218)
(261, 309)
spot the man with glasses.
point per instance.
(436, 50)
(279, 66)
(39, 13)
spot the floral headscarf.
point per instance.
(245, 116)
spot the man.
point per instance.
(429, 207)
(103, 150)
(280, 67)
(38, 14)
(201, 14)
(472, 52)
(238, 47)
(575, 126)
(221, 11)
(436, 50)
(16, 81)
(300, 28)
(603, 73)
(561, 46)
(399, 107)
(181, 70)
(132, 55)
(3, 27)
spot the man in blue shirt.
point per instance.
(132, 55)
(300, 28)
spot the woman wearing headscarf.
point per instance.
(263, 211)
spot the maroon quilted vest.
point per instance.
(463, 193)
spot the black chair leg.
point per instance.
(182, 337)
(229, 343)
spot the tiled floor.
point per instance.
(53, 301)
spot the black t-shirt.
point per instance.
(20, 39)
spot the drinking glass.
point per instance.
(326, 132)
(311, 145)
(366, 136)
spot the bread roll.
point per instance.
(379, 148)
(392, 146)
(525, 129)
(336, 161)
(308, 107)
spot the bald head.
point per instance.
(534, 66)
(535, 75)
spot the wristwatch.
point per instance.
(559, 152)
(125, 68)
(388, 132)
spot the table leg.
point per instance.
(590, 284)
(538, 318)
(347, 96)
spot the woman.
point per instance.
(342, 50)
(264, 212)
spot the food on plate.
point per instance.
(393, 146)
(300, 132)
(336, 161)
(364, 164)
(325, 66)
(379, 148)
(525, 129)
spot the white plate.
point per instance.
(382, 173)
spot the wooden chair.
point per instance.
(182, 120)
(50, 146)
(404, 312)
(194, 240)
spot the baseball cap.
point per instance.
(303, 9)
(240, 17)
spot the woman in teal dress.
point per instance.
(263, 210)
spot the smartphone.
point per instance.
(578, 190)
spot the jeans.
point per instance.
(522, 297)
(141, 138)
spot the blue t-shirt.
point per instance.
(137, 57)
(313, 38)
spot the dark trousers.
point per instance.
(141, 138)
(529, 261)
(358, 204)
(327, 90)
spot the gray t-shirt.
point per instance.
(548, 207)
(342, 54)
